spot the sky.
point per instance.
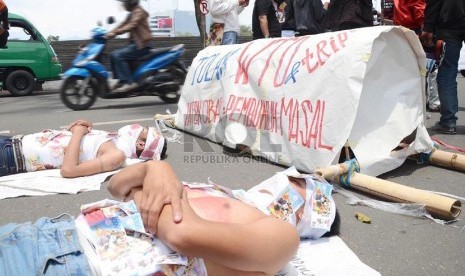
(73, 19)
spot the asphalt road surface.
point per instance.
(392, 244)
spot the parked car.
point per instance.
(462, 61)
(29, 60)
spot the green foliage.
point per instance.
(52, 38)
(246, 30)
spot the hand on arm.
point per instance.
(159, 187)
(263, 244)
(80, 122)
(72, 151)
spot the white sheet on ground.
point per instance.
(47, 182)
(327, 256)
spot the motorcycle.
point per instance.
(159, 73)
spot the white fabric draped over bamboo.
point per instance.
(298, 101)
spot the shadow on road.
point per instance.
(128, 105)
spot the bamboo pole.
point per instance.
(437, 205)
(448, 159)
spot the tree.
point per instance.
(246, 30)
(52, 38)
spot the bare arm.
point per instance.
(250, 242)
(263, 244)
(160, 186)
(264, 25)
(110, 159)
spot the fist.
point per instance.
(110, 35)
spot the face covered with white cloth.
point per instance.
(141, 142)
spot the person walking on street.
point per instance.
(446, 19)
(411, 14)
(265, 22)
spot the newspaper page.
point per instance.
(116, 233)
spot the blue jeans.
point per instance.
(447, 76)
(229, 38)
(50, 246)
(7, 158)
(120, 59)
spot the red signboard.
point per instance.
(165, 23)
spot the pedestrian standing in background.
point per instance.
(265, 22)
(307, 16)
(446, 19)
(4, 25)
(410, 14)
(287, 23)
(225, 27)
(348, 14)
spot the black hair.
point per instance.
(335, 227)
(163, 151)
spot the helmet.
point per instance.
(129, 4)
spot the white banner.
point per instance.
(297, 101)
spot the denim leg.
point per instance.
(229, 38)
(115, 64)
(50, 246)
(119, 67)
(120, 59)
(447, 82)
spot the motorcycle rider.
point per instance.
(140, 43)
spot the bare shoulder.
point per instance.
(222, 209)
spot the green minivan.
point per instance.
(28, 60)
